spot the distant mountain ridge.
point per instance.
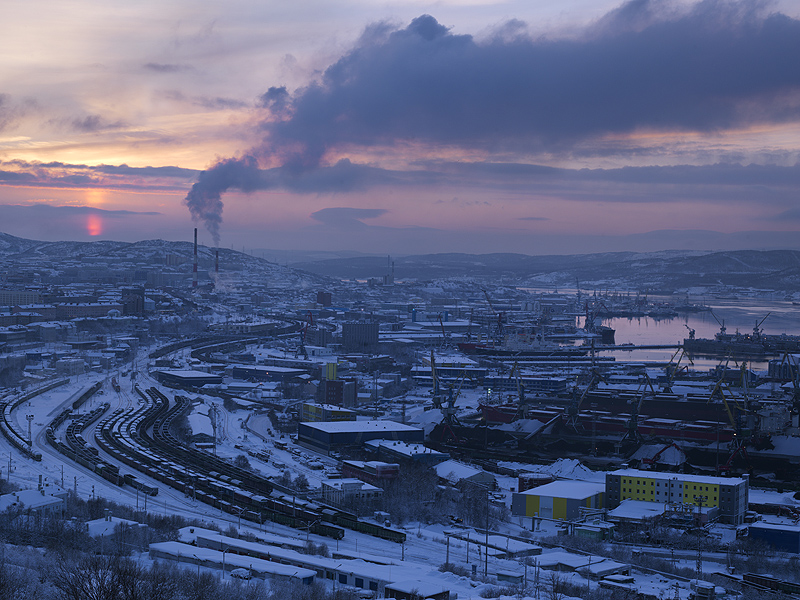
(666, 270)
(14, 250)
(777, 270)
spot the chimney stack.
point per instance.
(194, 273)
(216, 262)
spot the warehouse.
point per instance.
(187, 378)
(326, 436)
(783, 537)
(558, 500)
(213, 559)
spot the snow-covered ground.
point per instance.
(426, 546)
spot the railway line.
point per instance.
(134, 449)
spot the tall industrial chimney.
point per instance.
(216, 262)
(194, 272)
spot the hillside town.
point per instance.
(255, 426)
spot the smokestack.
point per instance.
(216, 262)
(194, 273)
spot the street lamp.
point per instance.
(223, 563)
(486, 540)
(310, 525)
(198, 565)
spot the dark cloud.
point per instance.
(92, 123)
(715, 66)
(50, 210)
(276, 99)
(59, 174)
(209, 102)
(793, 214)
(648, 65)
(166, 68)
(12, 111)
(347, 217)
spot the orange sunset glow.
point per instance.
(457, 126)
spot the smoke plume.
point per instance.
(646, 66)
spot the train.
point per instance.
(213, 480)
(16, 438)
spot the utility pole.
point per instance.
(699, 500)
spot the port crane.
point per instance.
(445, 334)
(499, 316)
(574, 408)
(674, 370)
(757, 331)
(448, 410)
(742, 436)
(653, 460)
(633, 422)
(303, 333)
(521, 399)
(722, 328)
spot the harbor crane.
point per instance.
(448, 410)
(632, 434)
(672, 371)
(499, 316)
(303, 333)
(757, 331)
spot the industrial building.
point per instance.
(324, 437)
(257, 373)
(455, 472)
(187, 378)
(394, 450)
(374, 472)
(728, 494)
(349, 491)
(359, 336)
(317, 413)
(782, 537)
(558, 500)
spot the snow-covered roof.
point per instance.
(776, 526)
(573, 490)
(454, 471)
(637, 510)
(359, 426)
(704, 479)
(103, 527)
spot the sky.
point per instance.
(406, 127)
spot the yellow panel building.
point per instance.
(729, 494)
(558, 500)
